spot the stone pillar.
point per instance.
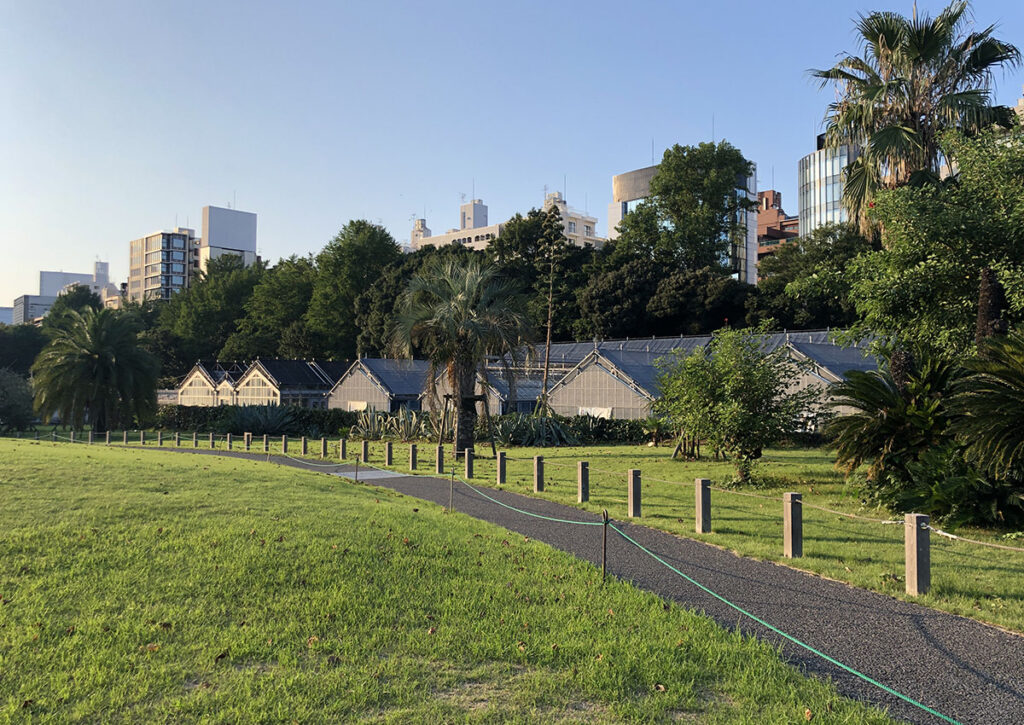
(702, 494)
(917, 545)
(792, 526)
(582, 482)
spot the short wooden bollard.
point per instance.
(501, 467)
(388, 453)
(635, 509)
(160, 438)
(247, 440)
(107, 441)
(37, 435)
(323, 448)
(213, 441)
(303, 446)
(266, 443)
(53, 436)
(177, 439)
(90, 438)
(284, 444)
(538, 474)
(364, 453)
(582, 482)
(142, 437)
(71, 437)
(195, 440)
(412, 457)
(469, 462)
(792, 526)
(342, 449)
(702, 494)
(917, 546)
(126, 438)
(228, 440)
(439, 460)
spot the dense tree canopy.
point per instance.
(19, 346)
(75, 298)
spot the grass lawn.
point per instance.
(147, 587)
(974, 581)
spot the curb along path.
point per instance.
(968, 671)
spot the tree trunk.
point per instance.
(463, 379)
(991, 304)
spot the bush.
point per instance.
(588, 429)
(256, 419)
(15, 402)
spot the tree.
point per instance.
(15, 402)
(914, 79)
(550, 263)
(458, 315)
(922, 287)
(200, 319)
(77, 297)
(694, 302)
(19, 346)
(347, 267)
(614, 302)
(805, 284)
(273, 321)
(94, 370)
(734, 394)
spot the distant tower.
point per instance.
(419, 231)
(473, 215)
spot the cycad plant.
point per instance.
(458, 314)
(915, 78)
(989, 406)
(94, 370)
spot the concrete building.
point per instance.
(6, 315)
(774, 226)
(161, 264)
(31, 308)
(820, 183)
(579, 228)
(52, 284)
(227, 231)
(1019, 108)
(631, 188)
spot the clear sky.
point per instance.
(122, 118)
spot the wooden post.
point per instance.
(213, 441)
(90, 438)
(538, 474)
(323, 448)
(364, 454)
(412, 457)
(195, 439)
(635, 510)
(126, 437)
(342, 449)
(303, 446)
(582, 482)
(917, 545)
(71, 437)
(469, 462)
(284, 444)
(501, 467)
(702, 493)
(439, 460)
(228, 440)
(142, 437)
(177, 439)
(792, 526)
(247, 440)
(108, 437)
(604, 544)
(388, 453)
(160, 438)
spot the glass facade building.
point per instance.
(820, 177)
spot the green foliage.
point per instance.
(94, 370)
(256, 419)
(922, 287)
(15, 402)
(989, 407)
(76, 299)
(272, 325)
(614, 302)
(735, 395)
(588, 429)
(370, 425)
(521, 429)
(457, 315)
(805, 284)
(694, 302)
(19, 347)
(346, 268)
(914, 79)
(409, 425)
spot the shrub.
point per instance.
(15, 402)
(256, 419)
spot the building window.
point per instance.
(588, 230)
(572, 227)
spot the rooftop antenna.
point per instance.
(234, 200)
(652, 150)
(712, 127)
(773, 176)
(564, 195)
(473, 196)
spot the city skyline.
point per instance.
(128, 118)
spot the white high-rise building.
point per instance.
(227, 231)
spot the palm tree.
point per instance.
(459, 314)
(916, 77)
(988, 403)
(93, 369)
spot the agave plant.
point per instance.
(371, 425)
(263, 420)
(407, 425)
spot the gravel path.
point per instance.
(964, 669)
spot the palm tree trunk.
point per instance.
(463, 384)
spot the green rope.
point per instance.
(791, 638)
(529, 513)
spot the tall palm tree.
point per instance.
(915, 78)
(458, 314)
(989, 405)
(94, 370)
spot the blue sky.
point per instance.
(122, 118)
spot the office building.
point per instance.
(6, 315)
(774, 226)
(52, 283)
(227, 231)
(820, 182)
(29, 309)
(579, 228)
(631, 188)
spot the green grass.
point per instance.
(147, 587)
(973, 581)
